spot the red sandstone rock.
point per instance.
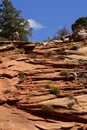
(22, 102)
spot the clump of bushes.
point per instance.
(21, 73)
(6, 91)
(54, 90)
(60, 49)
(64, 72)
(3, 39)
(47, 108)
(19, 87)
(48, 53)
(74, 47)
(21, 76)
(33, 55)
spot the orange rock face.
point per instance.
(35, 95)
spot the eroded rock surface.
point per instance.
(36, 91)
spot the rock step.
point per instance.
(58, 112)
(52, 78)
(55, 64)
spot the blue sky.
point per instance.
(47, 16)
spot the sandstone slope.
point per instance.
(34, 95)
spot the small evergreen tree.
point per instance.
(11, 21)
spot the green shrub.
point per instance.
(48, 53)
(54, 90)
(33, 56)
(21, 73)
(6, 91)
(21, 76)
(47, 108)
(19, 87)
(60, 49)
(3, 39)
(64, 72)
(75, 47)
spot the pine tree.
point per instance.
(11, 21)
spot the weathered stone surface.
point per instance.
(13, 120)
(7, 47)
(79, 34)
(28, 84)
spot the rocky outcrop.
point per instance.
(79, 34)
(35, 95)
(7, 47)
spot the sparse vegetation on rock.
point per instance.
(21, 76)
(47, 108)
(55, 90)
(33, 55)
(43, 87)
(74, 47)
(43, 92)
(48, 53)
(6, 91)
(64, 72)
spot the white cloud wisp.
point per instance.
(35, 25)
